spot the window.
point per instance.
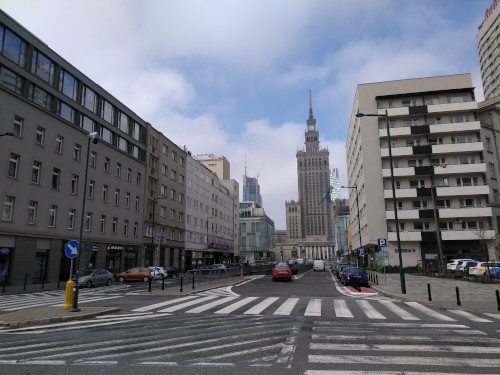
(43, 67)
(458, 119)
(114, 225)
(163, 190)
(74, 184)
(174, 155)
(181, 197)
(123, 122)
(102, 224)
(35, 172)
(438, 161)
(417, 205)
(467, 159)
(59, 144)
(117, 197)
(421, 225)
(172, 174)
(470, 202)
(434, 121)
(118, 170)
(127, 200)
(149, 230)
(93, 159)
(431, 101)
(52, 215)
(8, 208)
(67, 84)
(417, 183)
(172, 234)
(125, 228)
(163, 211)
(88, 222)
(467, 181)
(17, 127)
(461, 139)
(136, 228)
(32, 208)
(107, 111)
(77, 151)
(469, 224)
(446, 225)
(164, 169)
(488, 144)
(56, 175)
(104, 195)
(106, 164)
(39, 135)
(456, 99)
(181, 179)
(435, 141)
(71, 218)
(129, 175)
(172, 194)
(13, 165)
(138, 179)
(137, 203)
(492, 170)
(89, 99)
(91, 189)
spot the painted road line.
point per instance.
(287, 307)
(165, 303)
(235, 306)
(470, 316)
(187, 304)
(210, 305)
(313, 307)
(341, 309)
(430, 312)
(257, 309)
(405, 315)
(406, 348)
(369, 310)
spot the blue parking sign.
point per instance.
(382, 242)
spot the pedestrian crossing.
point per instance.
(335, 308)
(400, 348)
(14, 302)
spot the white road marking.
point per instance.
(406, 348)
(341, 309)
(369, 310)
(187, 304)
(405, 315)
(470, 316)
(257, 309)
(313, 307)
(430, 312)
(287, 307)
(165, 303)
(210, 305)
(235, 306)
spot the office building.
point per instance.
(488, 45)
(442, 171)
(256, 234)
(51, 108)
(335, 184)
(251, 190)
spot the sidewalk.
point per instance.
(475, 297)
(56, 314)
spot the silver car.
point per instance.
(90, 278)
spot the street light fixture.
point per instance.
(95, 139)
(401, 271)
(357, 205)
(436, 222)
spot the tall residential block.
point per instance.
(443, 174)
(488, 45)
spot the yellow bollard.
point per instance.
(68, 303)
(241, 276)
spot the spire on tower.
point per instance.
(310, 105)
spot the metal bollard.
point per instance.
(458, 295)
(429, 291)
(149, 282)
(181, 284)
(25, 280)
(498, 298)
(193, 280)
(162, 282)
(376, 276)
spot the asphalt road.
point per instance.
(309, 326)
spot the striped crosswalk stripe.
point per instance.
(341, 309)
(287, 307)
(187, 304)
(369, 310)
(237, 305)
(470, 316)
(405, 315)
(257, 309)
(430, 312)
(313, 307)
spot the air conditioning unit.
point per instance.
(458, 220)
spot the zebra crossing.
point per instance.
(225, 303)
(400, 348)
(22, 301)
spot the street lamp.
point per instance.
(95, 139)
(357, 205)
(436, 222)
(209, 216)
(401, 271)
(157, 256)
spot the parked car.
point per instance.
(282, 271)
(349, 272)
(171, 271)
(134, 274)
(481, 268)
(319, 265)
(339, 270)
(218, 267)
(157, 272)
(95, 277)
(460, 267)
(468, 265)
(295, 268)
(451, 266)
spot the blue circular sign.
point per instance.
(71, 249)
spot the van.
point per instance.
(319, 265)
(299, 261)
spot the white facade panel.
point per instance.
(401, 193)
(402, 214)
(405, 236)
(452, 107)
(461, 191)
(476, 212)
(465, 235)
(455, 127)
(461, 169)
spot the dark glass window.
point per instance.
(11, 80)
(89, 99)
(40, 97)
(14, 48)
(67, 84)
(66, 112)
(42, 67)
(107, 111)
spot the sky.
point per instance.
(232, 77)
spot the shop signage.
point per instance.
(4, 251)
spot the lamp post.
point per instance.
(436, 223)
(357, 205)
(209, 216)
(95, 139)
(401, 271)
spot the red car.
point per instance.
(282, 271)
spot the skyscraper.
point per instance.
(251, 190)
(488, 42)
(313, 172)
(335, 184)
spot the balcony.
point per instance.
(459, 127)
(463, 235)
(452, 107)
(467, 191)
(450, 169)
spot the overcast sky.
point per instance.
(232, 77)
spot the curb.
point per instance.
(58, 318)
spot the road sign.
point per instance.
(361, 252)
(382, 242)
(71, 249)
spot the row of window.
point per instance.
(443, 225)
(426, 101)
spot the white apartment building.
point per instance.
(488, 45)
(444, 183)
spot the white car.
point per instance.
(157, 272)
(479, 269)
(452, 266)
